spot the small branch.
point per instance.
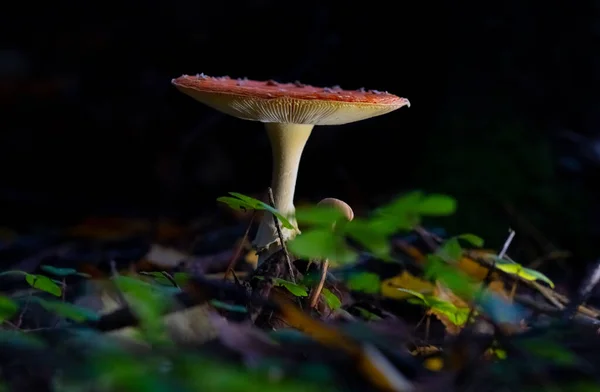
(238, 250)
(280, 234)
(585, 290)
(507, 243)
(316, 291)
(428, 238)
(170, 278)
(488, 276)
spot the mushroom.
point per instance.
(347, 215)
(289, 112)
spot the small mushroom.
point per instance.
(289, 114)
(348, 215)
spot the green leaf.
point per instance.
(148, 302)
(181, 278)
(229, 307)
(450, 250)
(331, 299)
(20, 339)
(437, 269)
(7, 273)
(530, 274)
(415, 293)
(322, 244)
(60, 272)
(409, 202)
(510, 268)
(437, 205)
(457, 316)
(366, 282)
(367, 315)
(321, 215)
(374, 241)
(43, 283)
(67, 310)
(547, 349)
(294, 288)
(8, 308)
(159, 278)
(472, 239)
(243, 202)
(401, 213)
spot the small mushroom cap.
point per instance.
(295, 103)
(339, 205)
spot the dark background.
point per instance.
(504, 109)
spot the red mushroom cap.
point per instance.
(269, 101)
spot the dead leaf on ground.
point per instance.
(389, 287)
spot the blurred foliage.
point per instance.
(491, 163)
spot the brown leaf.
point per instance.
(389, 287)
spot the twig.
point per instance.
(553, 297)
(238, 250)
(488, 276)
(165, 274)
(280, 234)
(548, 294)
(19, 321)
(316, 291)
(169, 278)
(428, 237)
(507, 243)
(584, 292)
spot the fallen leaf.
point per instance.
(434, 364)
(389, 287)
(251, 258)
(472, 268)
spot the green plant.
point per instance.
(40, 282)
(514, 268)
(319, 241)
(458, 316)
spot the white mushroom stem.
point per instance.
(287, 144)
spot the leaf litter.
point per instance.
(128, 304)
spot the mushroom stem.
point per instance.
(287, 144)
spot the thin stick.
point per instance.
(585, 290)
(280, 234)
(238, 250)
(488, 276)
(316, 292)
(511, 235)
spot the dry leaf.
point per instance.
(472, 268)
(389, 287)
(251, 258)
(445, 294)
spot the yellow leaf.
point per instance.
(472, 268)
(251, 258)
(434, 364)
(389, 287)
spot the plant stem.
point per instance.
(281, 239)
(316, 291)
